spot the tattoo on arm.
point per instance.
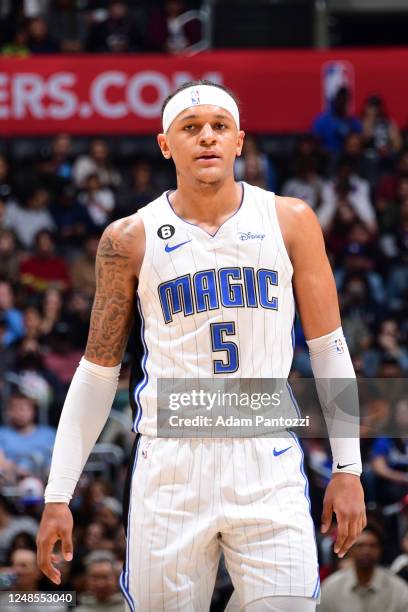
(112, 310)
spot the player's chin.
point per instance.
(209, 175)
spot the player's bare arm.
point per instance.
(319, 312)
(118, 262)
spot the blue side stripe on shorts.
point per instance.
(124, 576)
(145, 380)
(316, 590)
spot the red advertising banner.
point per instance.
(280, 91)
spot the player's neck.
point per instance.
(199, 203)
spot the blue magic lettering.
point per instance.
(205, 290)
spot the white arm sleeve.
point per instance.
(85, 412)
(331, 361)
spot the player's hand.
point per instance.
(56, 524)
(345, 497)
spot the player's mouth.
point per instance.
(207, 156)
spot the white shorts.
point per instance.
(191, 498)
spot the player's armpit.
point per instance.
(117, 263)
(313, 281)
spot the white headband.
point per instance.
(196, 96)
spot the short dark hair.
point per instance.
(45, 232)
(196, 84)
(376, 531)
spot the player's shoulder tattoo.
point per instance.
(116, 241)
(112, 311)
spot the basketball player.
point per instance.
(212, 305)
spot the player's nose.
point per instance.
(207, 134)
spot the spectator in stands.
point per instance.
(398, 275)
(61, 156)
(306, 184)
(28, 578)
(51, 311)
(31, 498)
(72, 221)
(389, 344)
(17, 47)
(39, 39)
(10, 255)
(116, 34)
(347, 187)
(381, 136)
(333, 126)
(77, 314)
(67, 25)
(94, 538)
(400, 565)
(101, 584)
(31, 8)
(27, 221)
(365, 585)
(140, 192)
(254, 166)
(63, 357)
(359, 312)
(97, 162)
(165, 32)
(109, 514)
(388, 185)
(363, 165)
(389, 211)
(7, 353)
(374, 420)
(44, 268)
(21, 439)
(6, 181)
(83, 268)
(99, 201)
(3, 209)
(360, 255)
(11, 525)
(13, 317)
(29, 372)
(44, 173)
(87, 504)
(32, 323)
(390, 459)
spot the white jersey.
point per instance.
(213, 305)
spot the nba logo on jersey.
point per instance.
(195, 96)
(334, 76)
(339, 346)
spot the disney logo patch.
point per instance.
(250, 236)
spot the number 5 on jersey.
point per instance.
(219, 343)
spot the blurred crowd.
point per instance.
(353, 171)
(34, 27)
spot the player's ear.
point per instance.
(164, 147)
(240, 141)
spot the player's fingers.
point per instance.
(45, 545)
(350, 539)
(363, 520)
(342, 533)
(66, 544)
(327, 515)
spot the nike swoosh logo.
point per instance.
(276, 453)
(169, 248)
(340, 467)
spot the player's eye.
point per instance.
(220, 126)
(189, 127)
